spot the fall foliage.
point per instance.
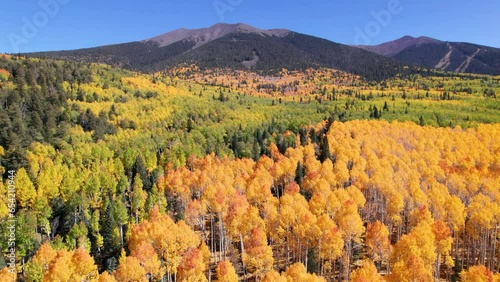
(147, 177)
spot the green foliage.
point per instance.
(26, 239)
(34, 106)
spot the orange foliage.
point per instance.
(6, 276)
(478, 274)
(258, 256)
(382, 173)
(170, 240)
(71, 266)
(130, 270)
(192, 267)
(106, 277)
(377, 239)
(366, 273)
(4, 75)
(226, 272)
(49, 265)
(298, 272)
(148, 259)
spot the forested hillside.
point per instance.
(192, 175)
(460, 57)
(241, 47)
(34, 103)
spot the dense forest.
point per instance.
(241, 51)
(486, 60)
(201, 175)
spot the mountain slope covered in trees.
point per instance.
(449, 56)
(238, 47)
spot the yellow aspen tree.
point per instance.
(298, 272)
(85, 267)
(226, 272)
(138, 199)
(414, 254)
(25, 190)
(258, 256)
(148, 259)
(274, 276)
(170, 240)
(192, 267)
(106, 277)
(366, 273)
(443, 244)
(40, 262)
(330, 243)
(377, 241)
(351, 228)
(130, 270)
(477, 273)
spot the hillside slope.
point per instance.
(449, 56)
(236, 46)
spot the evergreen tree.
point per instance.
(140, 169)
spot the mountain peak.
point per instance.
(204, 35)
(394, 47)
(417, 40)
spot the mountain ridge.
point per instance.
(393, 47)
(241, 46)
(236, 46)
(443, 55)
(205, 35)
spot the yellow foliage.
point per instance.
(130, 270)
(4, 75)
(477, 273)
(226, 272)
(298, 272)
(366, 273)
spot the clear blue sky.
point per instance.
(26, 26)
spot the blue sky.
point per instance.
(38, 25)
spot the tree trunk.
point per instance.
(121, 233)
(221, 238)
(307, 256)
(242, 253)
(493, 252)
(438, 265)
(287, 249)
(349, 251)
(212, 238)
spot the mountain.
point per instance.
(392, 48)
(449, 56)
(237, 46)
(205, 35)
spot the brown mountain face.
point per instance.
(204, 35)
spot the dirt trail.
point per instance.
(465, 65)
(445, 61)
